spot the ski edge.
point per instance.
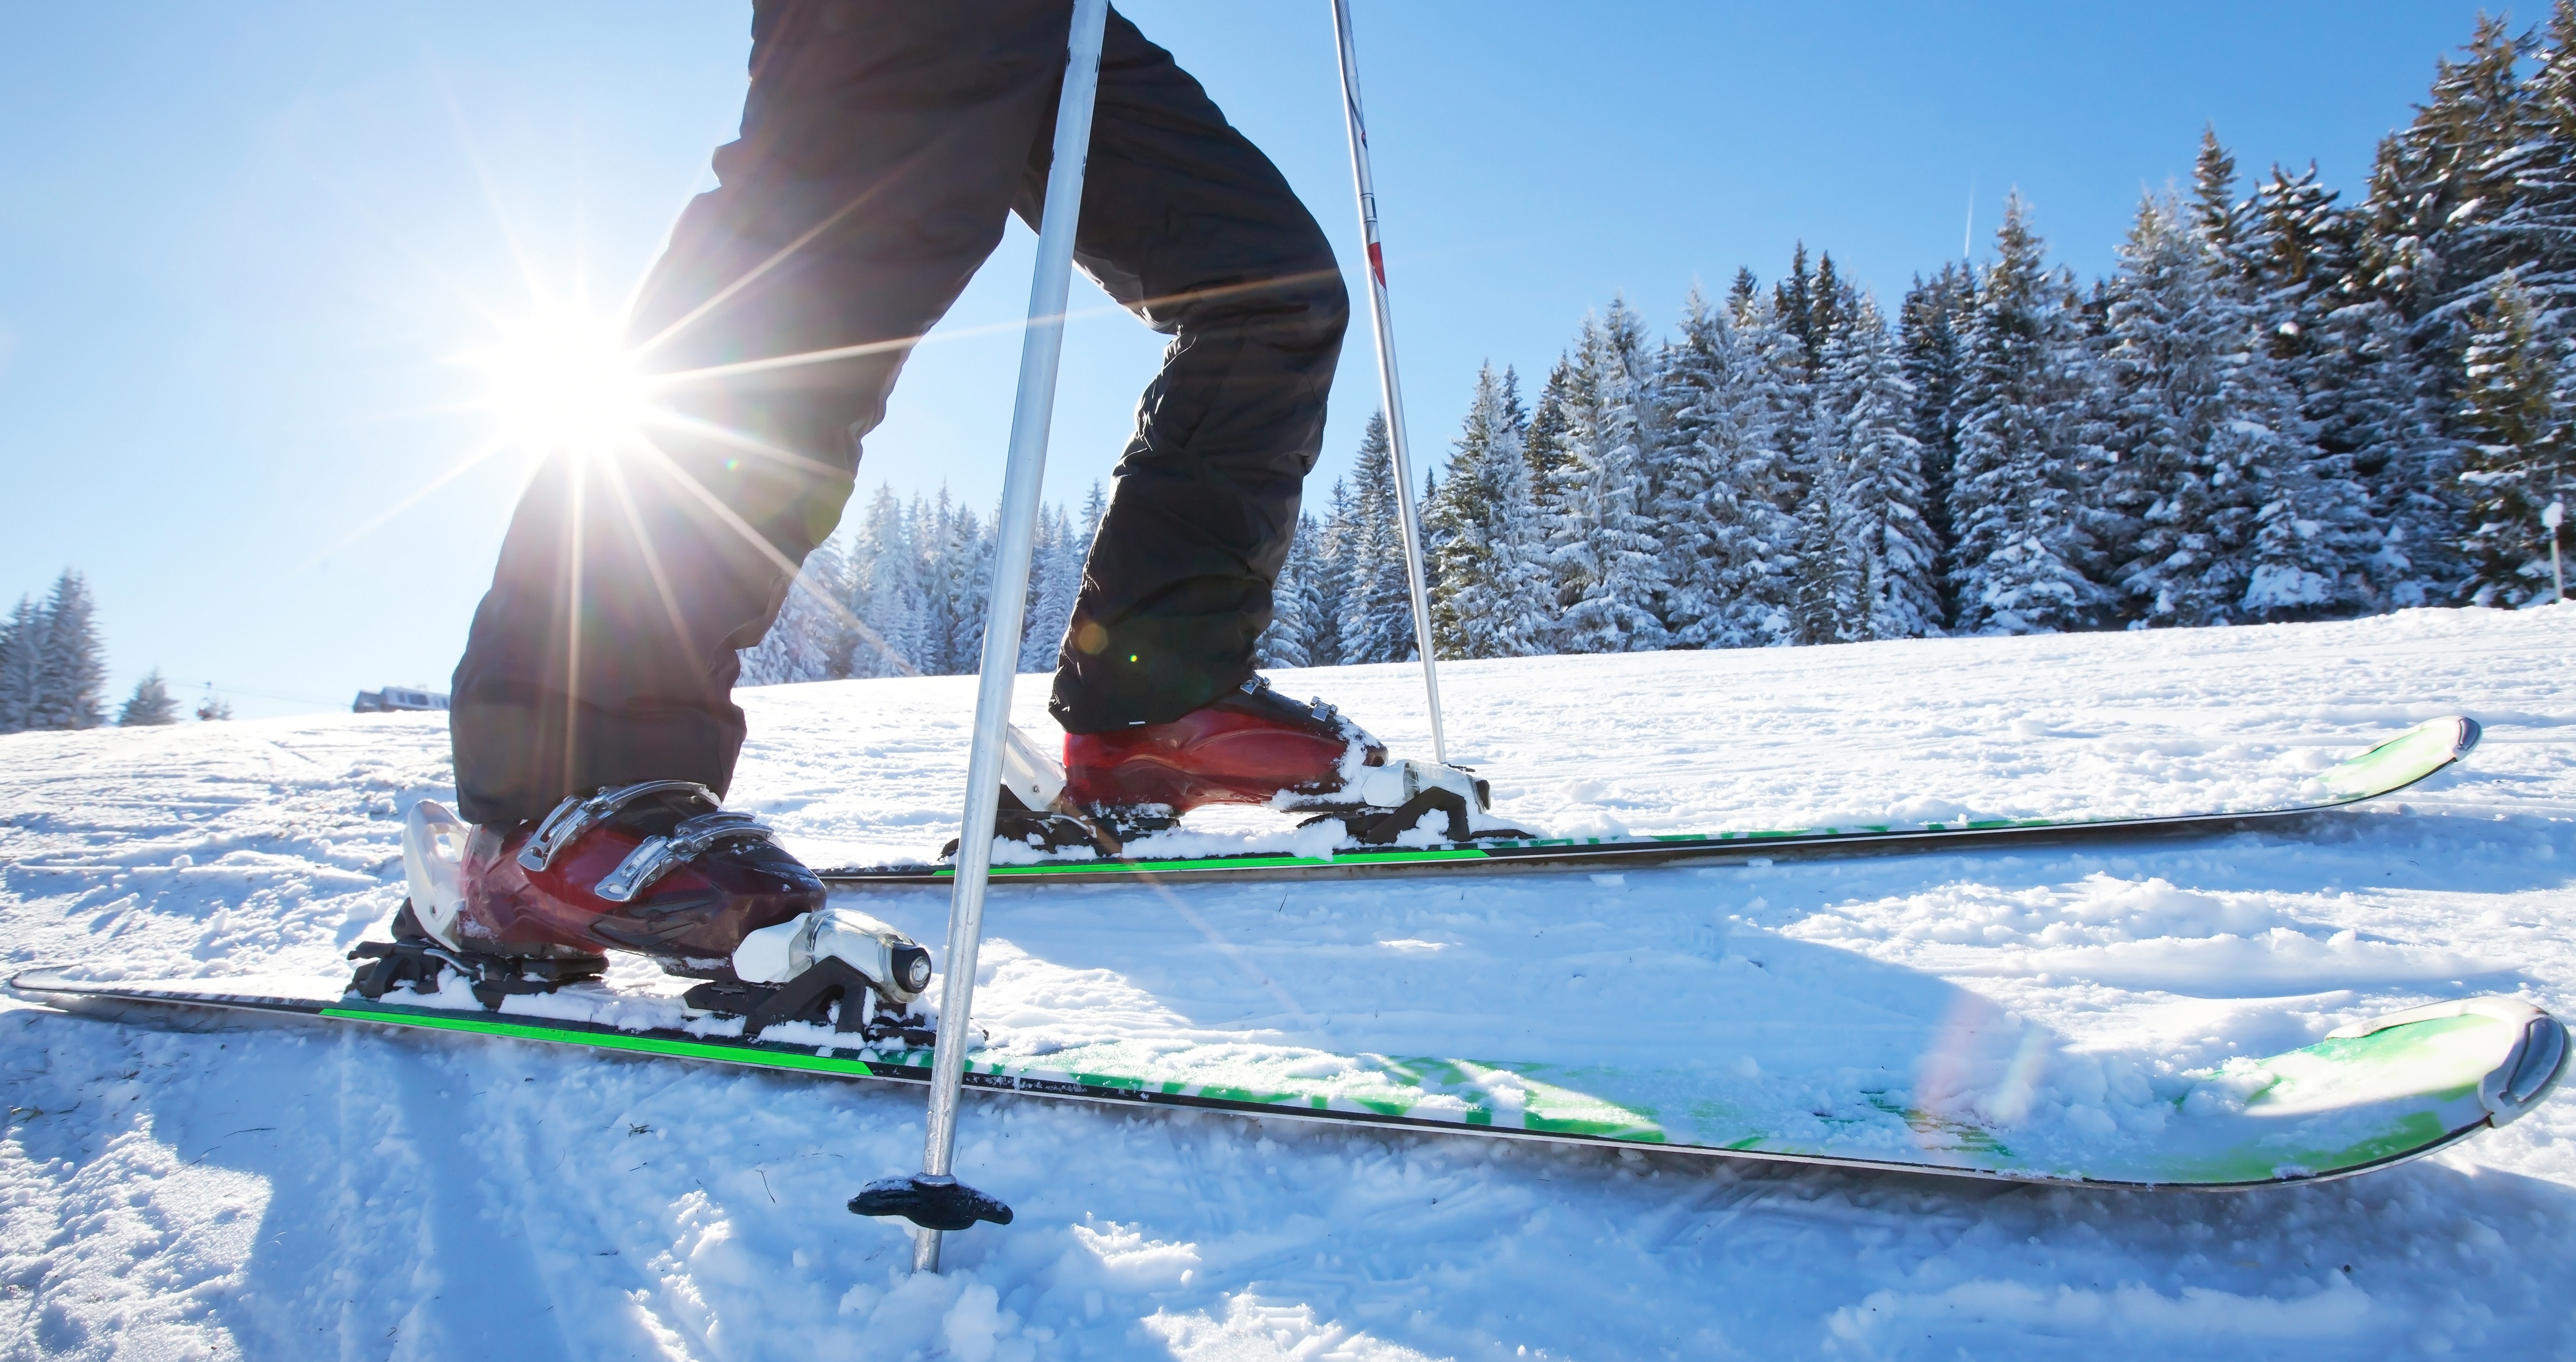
(2462, 736)
(48, 987)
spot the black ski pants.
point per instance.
(883, 142)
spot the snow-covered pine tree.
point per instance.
(1331, 580)
(811, 639)
(1296, 602)
(2536, 228)
(964, 572)
(1883, 580)
(2447, 216)
(1933, 327)
(885, 591)
(1692, 393)
(73, 669)
(1545, 440)
(1625, 333)
(150, 706)
(2521, 461)
(2216, 506)
(1793, 304)
(1825, 589)
(1055, 578)
(2176, 538)
(2343, 353)
(2215, 213)
(1734, 382)
(2013, 495)
(1377, 600)
(1601, 535)
(22, 665)
(1492, 596)
(1453, 514)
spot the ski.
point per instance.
(2383, 770)
(2368, 1096)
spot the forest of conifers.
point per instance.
(2281, 404)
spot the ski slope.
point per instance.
(282, 1192)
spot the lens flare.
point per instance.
(562, 380)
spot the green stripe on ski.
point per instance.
(728, 1052)
(1241, 862)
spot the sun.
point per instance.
(561, 380)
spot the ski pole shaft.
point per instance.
(1032, 412)
(1389, 390)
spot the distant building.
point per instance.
(397, 699)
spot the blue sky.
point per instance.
(247, 245)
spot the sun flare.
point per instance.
(561, 379)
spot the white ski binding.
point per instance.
(835, 967)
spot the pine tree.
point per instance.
(1331, 579)
(1545, 441)
(150, 705)
(1691, 394)
(2013, 495)
(811, 639)
(2439, 186)
(964, 573)
(2214, 210)
(1880, 579)
(213, 708)
(1601, 536)
(1296, 603)
(1055, 579)
(1933, 326)
(2455, 198)
(1793, 302)
(22, 665)
(2216, 506)
(72, 671)
(1491, 595)
(885, 591)
(2536, 228)
(1377, 600)
(1735, 379)
(2344, 354)
(2522, 459)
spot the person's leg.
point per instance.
(1185, 222)
(882, 143)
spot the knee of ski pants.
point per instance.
(1298, 307)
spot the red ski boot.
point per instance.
(655, 868)
(1255, 746)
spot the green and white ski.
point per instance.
(2383, 770)
(2367, 1096)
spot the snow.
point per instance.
(214, 1189)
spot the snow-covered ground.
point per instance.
(287, 1192)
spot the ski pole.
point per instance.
(1388, 390)
(1032, 410)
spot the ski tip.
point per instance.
(2470, 731)
(2525, 1073)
